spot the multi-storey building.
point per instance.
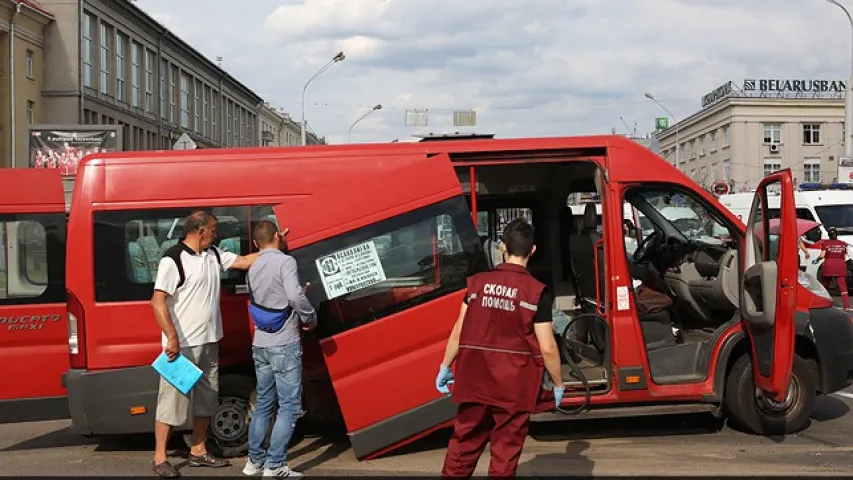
(278, 129)
(110, 63)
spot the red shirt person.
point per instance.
(502, 344)
(834, 251)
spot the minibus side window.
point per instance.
(32, 259)
(130, 243)
(390, 266)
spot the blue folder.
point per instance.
(180, 372)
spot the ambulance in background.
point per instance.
(831, 205)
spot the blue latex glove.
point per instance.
(444, 379)
(815, 261)
(558, 395)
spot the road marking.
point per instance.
(844, 394)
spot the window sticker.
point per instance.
(351, 269)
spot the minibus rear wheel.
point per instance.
(756, 414)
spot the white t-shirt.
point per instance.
(194, 306)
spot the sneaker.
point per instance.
(252, 468)
(282, 471)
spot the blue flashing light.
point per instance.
(813, 186)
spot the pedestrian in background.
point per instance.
(186, 307)
(834, 251)
(504, 342)
(278, 308)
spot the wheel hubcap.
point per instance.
(773, 407)
(230, 422)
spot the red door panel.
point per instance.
(769, 295)
(382, 370)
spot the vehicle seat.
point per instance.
(657, 330)
(582, 256)
(144, 256)
(174, 234)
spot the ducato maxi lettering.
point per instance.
(28, 322)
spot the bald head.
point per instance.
(198, 220)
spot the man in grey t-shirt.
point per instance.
(274, 283)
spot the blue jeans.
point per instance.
(279, 374)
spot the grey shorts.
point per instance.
(173, 407)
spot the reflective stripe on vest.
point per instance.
(501, 350)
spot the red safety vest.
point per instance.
(834, 264)
(499, 362)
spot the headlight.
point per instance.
(813, 285)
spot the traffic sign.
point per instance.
(721, 188)
(184, 142)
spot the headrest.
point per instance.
(590, 217)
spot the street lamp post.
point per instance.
(848, 95)
(677, 138)
(376, 107)
(337, 58)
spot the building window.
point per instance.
(197, 106)
(811, 134)
(714, 141)
(149, 80)
(205, 112)
(185, 100)
(105, 59)
(726, 136)
(214, 99)
(811, 170)
(121, 51)
(727, 171)
(88, 68)
(772, 133)
(173, 94)
(228, 139)
(772, 165)
(31, 112)
(134, 74)
(164, 68)
(30, 67)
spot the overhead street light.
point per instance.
(376, 107)
(677, 139)
(337, 58)
(848, 94)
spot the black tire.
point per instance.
(747, 412)
(228, 435)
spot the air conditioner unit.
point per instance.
(774, 148)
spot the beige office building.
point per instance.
(744, 133)
(278, 129)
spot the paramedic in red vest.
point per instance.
(501, 341)
(834, 251)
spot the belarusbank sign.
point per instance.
(788, 85)
(777, 88)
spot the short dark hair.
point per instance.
(264, 232)
(518, 238)
(198, 220)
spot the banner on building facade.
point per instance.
(63, 147)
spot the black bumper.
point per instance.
(109, 402)
(832, 333)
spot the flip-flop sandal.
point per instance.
(165, 470)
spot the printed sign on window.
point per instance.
(351, 269)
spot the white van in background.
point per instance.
(828, 205)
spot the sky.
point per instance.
(527, 68)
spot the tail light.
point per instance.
(76, 332)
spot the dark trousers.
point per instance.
(841, 282)
(477, 424)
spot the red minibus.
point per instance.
(748, 335)
(33, 331)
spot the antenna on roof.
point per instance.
(219, 61)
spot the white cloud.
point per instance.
(544, 67)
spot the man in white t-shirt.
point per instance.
(186, 307)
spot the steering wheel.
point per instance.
(649, 244)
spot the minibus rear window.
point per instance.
(32, 258)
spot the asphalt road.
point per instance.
(651, 446)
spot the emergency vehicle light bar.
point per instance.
(805, 187)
